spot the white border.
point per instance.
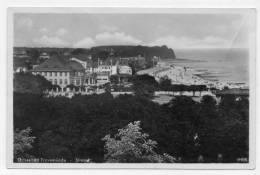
(252, 82)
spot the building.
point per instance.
(44, 56)
(103, 78)
(78, 72)
(139, 61)
(83, 63)
(123, 69)
(21, 65)
(20, 69)
(61, 72)
(20, 53)
(109, 69)
(90, 79)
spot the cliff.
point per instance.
(127, 51)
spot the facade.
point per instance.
(109, 69)
(124, 70)
(78, 73)
(60, 72)
(90, 79)
(103, 78)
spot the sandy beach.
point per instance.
(184, 75)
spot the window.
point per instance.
(65, 73)
(77, 82)
(60, 81)
(55, 73)
(65, 81)
(50, 73)
(51, 81)
(60, 73)
(55, 81)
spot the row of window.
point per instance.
(53, 73)
(60, 82)
(56, 82)
(59, 73)
(78, 73)
(102, 79)
(105, 67)
(90, 81)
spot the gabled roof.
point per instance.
(55, 63)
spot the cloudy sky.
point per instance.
(173, 30)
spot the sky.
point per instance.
(174, 30)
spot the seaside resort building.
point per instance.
(78, 72)
(60, 72)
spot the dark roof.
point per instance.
(56, 63)
(82, 57)
(75, 66)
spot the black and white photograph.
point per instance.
(132, 88)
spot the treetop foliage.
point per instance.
(22, 142)
(28, 83)
(131, 145)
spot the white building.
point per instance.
(20, 69)
(124, 70)
(102, 78)
(60, 72)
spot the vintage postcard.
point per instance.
(131, 88)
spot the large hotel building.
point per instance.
(61, 72)
(78, 72)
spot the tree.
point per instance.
(74, 128)
(28, 83)
(165, 83)
(144, 85)
(234, 131)
(22, 142)
(185, 110)
(34, 54)
(131, 145)
(114, 79)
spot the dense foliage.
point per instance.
(22, 142)
(28, 83)
(165, 84)
(128, 51)
(130, 145)
(74, 128)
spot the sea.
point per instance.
(226, 65)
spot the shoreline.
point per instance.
(188, 76)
